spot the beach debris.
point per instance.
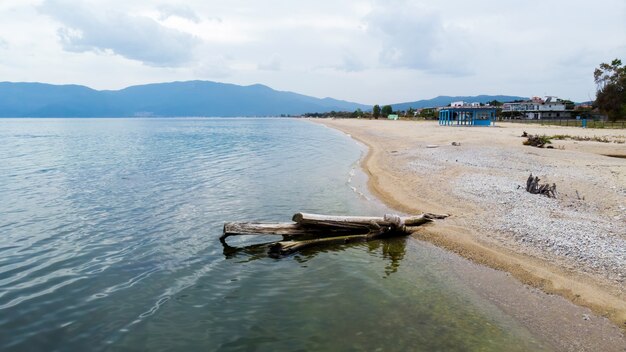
(456, 144)
(307, 230)
(578, 196)
(537, 141)
(525, 134)
(533, 186)
(432, 146)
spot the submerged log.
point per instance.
(288, 247)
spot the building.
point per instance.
(467, 116)
(461, 104)
(538, 108)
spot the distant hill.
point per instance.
(192, 98)
(446, 100)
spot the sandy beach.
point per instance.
(574, 246)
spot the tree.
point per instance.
(357, 113)
(387, 110)
(428, 113)
(376, 111)
(569, 105)
(611, 89)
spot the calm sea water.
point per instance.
(109, 241)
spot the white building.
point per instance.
(537, 108)
(462, 104)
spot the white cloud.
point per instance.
(182, 11)
(134, 37)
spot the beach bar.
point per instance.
(467, 116)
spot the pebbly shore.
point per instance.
(569, 231)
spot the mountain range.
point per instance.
(190, 98)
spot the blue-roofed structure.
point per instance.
(467, 116)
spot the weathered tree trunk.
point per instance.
(358, 221)
(315, 229)
(249, 228)
(287, 230)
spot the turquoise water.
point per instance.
(109, 241)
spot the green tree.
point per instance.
(387, 110)
(569, 105)
(376, 111)
(611, 89)
(357, 113)
(428, 113)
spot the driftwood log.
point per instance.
(308, 230)
(533, 186)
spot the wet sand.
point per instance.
(573, 246)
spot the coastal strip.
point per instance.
(574, 246)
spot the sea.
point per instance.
(109, 235)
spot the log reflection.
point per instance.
(389, 249)
(392, 249)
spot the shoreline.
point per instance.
(603, 293)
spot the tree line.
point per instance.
(378, 112)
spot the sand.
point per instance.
(574, 246)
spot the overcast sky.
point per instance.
(363, 51)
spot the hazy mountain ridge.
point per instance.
(191, 98)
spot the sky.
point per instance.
(371, 52)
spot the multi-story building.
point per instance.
(537, 109)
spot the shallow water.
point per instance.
(108, 241)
